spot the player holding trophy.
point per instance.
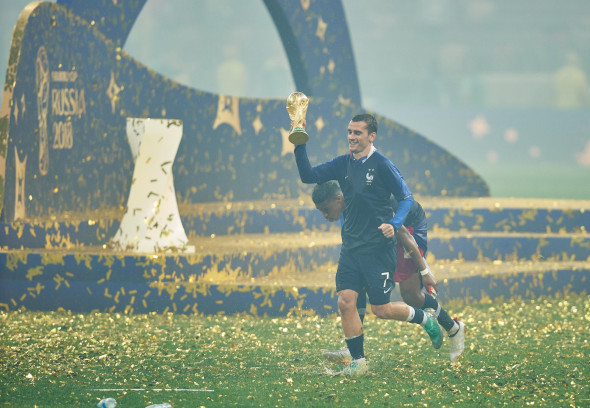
(367, 257)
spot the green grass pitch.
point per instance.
(518, 353)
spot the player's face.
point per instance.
(331, 209)
(359, 139)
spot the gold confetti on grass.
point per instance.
(518, 353)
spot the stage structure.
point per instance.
(70, 88)
(67, 174)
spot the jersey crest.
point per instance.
(369, 176)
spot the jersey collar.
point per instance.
(363, 159)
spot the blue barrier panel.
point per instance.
(90, 290)
(513, 247)
(538, 220)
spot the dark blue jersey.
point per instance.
(367, 187)
(416, 219)
(416, 215)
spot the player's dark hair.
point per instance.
(368, 119)
(325, 191)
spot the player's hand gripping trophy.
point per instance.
(297, 107)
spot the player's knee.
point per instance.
(346, 301)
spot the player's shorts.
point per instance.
(405, 265)
(371, 269)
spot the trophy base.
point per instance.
(298, 136)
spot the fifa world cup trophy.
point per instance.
(297, 107)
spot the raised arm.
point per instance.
(316, 174)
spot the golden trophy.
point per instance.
(297, 107)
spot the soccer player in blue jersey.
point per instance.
(411, 248)
(367, 256)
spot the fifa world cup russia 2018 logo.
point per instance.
(42, 89)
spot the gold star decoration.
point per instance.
(113, 91)
(257, 125)
(321, 30)
(228, 112)
(319, 124)
(19, 197)
(288, 147)
(343, 100)
(331, 66)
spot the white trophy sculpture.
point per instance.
(152, 222)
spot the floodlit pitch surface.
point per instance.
(518, 353)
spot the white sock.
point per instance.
(437, 311)
(425, 319)
(412, 313)
(353, 337)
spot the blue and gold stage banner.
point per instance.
(135, 284)
(70, 87)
